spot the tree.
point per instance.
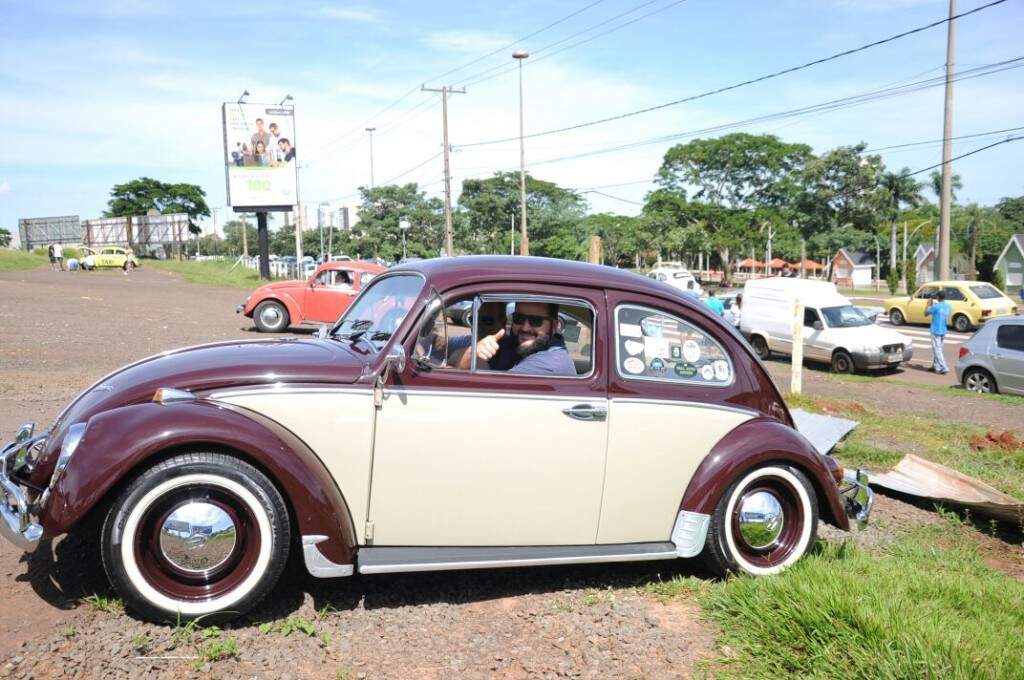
(835, 193)
(899, 190)
(738, 179)
(233, 236)
(1012, 209)
(935, 179)
(490, 207)
(5, 238)
(377, 233)
(139, 196)
(990, 231)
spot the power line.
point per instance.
(939, 141)
(617, 198)
(359, 128)
(504, 68)
(752, 81)
(965, 155)
(516, 42)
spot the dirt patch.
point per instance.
(1002, 441)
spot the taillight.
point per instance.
(964, 352)
(986, 312)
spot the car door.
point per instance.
(332, 292)
(668, 383)
(815, 345)
(917, 304)
(1008, 356)
(105, 258)
(958, 303)
(488, 458)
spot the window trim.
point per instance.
(480, 298)
(667, 381)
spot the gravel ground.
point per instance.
(60, 332)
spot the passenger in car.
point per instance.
(533, 346)
(490, 320)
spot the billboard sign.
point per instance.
(259, 156)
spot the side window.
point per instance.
(651, 345)
(1011, 336)
(926, 293)
(953, 294)
(810, 316)
(508, 333)
(326, 277)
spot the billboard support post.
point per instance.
(263, 236)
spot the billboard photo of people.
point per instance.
(259, 155)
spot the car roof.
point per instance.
(355, 265)
(446, 272)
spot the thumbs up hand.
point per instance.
(488, 346)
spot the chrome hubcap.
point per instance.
(197, 537)
(270, 316)
(761, 520)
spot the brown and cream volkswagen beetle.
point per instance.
(379, 447)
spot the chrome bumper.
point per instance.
(857, 497)
(240, 308)
(16, 523)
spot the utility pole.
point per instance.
(942, 262)
(245, 237)
(449, 248)
(524, 244)
(370, 130)
(298, 218)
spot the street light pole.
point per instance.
(404, 226)
(524, 243)
(370, 130)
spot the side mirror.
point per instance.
(393, 361)
(322, 331)
(818, 326)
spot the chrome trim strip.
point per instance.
(497, 563)
(434, 392)
(318, 565)
(690, 532)
(170, 395)
(690, 404)
(284, 388)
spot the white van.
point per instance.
(834, 331)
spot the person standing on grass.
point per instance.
(939, 310)
(58, 254)
(53, 258)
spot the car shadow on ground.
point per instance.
(65, 571)
(387, 591)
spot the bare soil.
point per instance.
(59, 332)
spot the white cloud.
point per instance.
(472, 42)
(350, 14)
(5, 188)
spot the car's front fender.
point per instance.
(120, 441)
(757, 442)
(293, 307)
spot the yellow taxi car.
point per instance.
(973, 303)
(108, 256)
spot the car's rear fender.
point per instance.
(120, 442)
(755, 443)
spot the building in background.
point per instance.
(1011, 264)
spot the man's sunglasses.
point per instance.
(535, 320)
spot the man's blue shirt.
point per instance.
(939, 311)
(715, 304)
(553, 360)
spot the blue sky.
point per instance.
(101, 92)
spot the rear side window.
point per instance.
(1011, 336)
(953, 294)
(985, 291)
(926, 293)
(652, 345)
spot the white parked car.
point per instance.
(834, 331)
(675, 275)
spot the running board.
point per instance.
(384, 560)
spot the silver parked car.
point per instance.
(993, 359)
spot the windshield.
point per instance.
(985, 291)
(380, 310)
(846, 316)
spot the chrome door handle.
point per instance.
(587, 412)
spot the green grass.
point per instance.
(292, 624)
(104, 603)
(919, 610)
(949, 390)
(15, 260)
(875, 442)
(209, 272)
(927, 606)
